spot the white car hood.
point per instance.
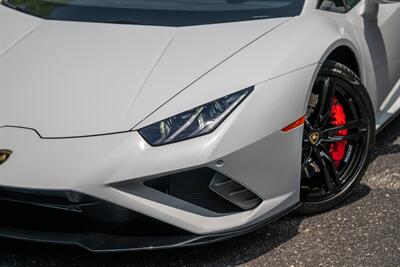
(67, 79)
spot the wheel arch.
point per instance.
(345, 52)
(346, 56)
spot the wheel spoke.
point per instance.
(336, 138)
(327, 97)
(357, 124)
(310, 169)
(329, 172)
(308, 124)
(331, 166)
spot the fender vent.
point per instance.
(234, 192)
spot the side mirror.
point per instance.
(371, 8)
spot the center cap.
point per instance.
(314, 138)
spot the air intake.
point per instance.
(234, 192)
(208, 189)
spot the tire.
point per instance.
(339, 136)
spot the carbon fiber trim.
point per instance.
(137, 232)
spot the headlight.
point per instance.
(193, 123)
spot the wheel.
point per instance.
(339, 135)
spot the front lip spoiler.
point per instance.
(103, 243)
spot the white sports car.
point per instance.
(141, 124)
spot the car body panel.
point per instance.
(131, 70)
(379, 46)
(273, 55)
(22, 25)
(95, 165)
(73, 97)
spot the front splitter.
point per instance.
(102, 243)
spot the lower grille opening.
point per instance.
(40, 210)
(202, 187)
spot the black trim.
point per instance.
(347, 7)
(65, 137)
(154, 17)
(205, 188)
(350, 7)
(98, 234)
(389, 121)
(193, 187)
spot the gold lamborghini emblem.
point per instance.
(314, 138)
(4, 155)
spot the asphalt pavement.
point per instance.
(364, 231)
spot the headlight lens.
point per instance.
(195, 122)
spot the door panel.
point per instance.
(389, 23)
(380, 42)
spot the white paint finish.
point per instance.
(309, 6)
(379, 45)
(129, 79)
(73, 79)
(81, 79)
(194, 52)
(67, 87)
(91, 164)
(14, 26)
(273, 55)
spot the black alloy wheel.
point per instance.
(339, 133)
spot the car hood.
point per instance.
(67, 79)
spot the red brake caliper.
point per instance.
(338, 118)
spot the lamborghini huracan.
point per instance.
(143, 124)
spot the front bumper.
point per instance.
(70, 218)
(114, 168)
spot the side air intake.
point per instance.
(207, 189)
(234, 192)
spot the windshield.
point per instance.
(158, 12)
